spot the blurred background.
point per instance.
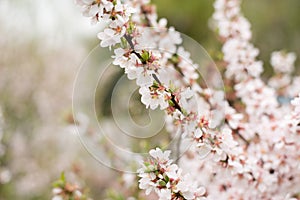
(42, 44)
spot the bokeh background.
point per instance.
(42, 44)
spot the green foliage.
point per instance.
(61, 182)
(145, 56)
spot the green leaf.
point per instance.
(61, 182)
(162, 183)
(174, 59)
(124, 43)
(63, 177)
(145, 56)
(171, 103)
(130, 28)
(155, 84)
(167, 179)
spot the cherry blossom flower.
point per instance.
(283, 62)
(296, 103)
(110, 37)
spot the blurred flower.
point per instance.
(283, 62)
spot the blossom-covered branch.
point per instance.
(166, 179)
(258, 131)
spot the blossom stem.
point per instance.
(129, 40)
(242, 137)
(156, 79)
(178, 144)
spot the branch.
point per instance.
(129, 40)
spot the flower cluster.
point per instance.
(235, 30)
(63, 190)
(114, 13)
(166, 179)
(264, 122)
(283, 65)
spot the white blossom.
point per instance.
(283, 62)
(296, 103)
(110, 37)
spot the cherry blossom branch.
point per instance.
(260, 164)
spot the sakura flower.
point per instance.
(87, 7)
(159, 155)
(185, 187)
(118, 22)
(128, 179)
(147, 182)
(120, 14)
(57, 198)
(110, 37)
(233, 118)
(294, 89)
(169, 41)
(296, 103)
(153, 99)
(172, 171)
(185, 96)
(141, 75)
(108, 5)
(120, 59)
(198, 133)
(283, 62)
(227, 139)
(281, 81)
(186, 65)
(165, 194)
(57, 191)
